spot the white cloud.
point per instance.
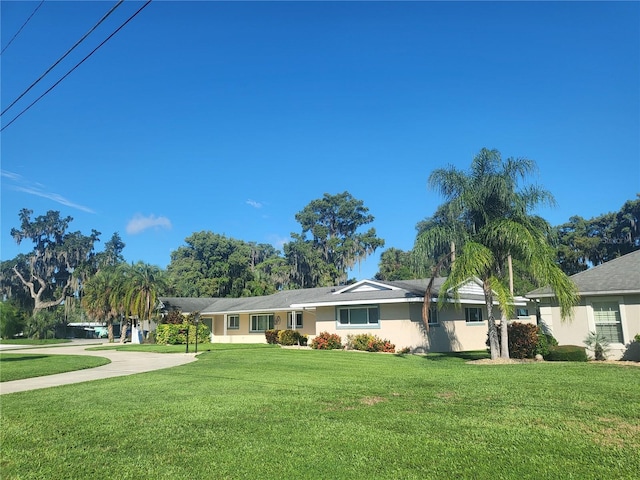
(278, 241)
(254, 204)
(38, 190)
(140, 223)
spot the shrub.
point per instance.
(637, 338)
(326, 341)
(404, 351)
(172, 334)
(545, 342)
(567, 353)
(369, 343)
(526, 340)
(271, 336)
(523, 339)
(291, 337)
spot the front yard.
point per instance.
(258, 411)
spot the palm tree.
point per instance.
(143, 285)
(102, 297)
(487, 218)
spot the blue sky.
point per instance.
(233, 116)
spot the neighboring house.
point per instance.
(390, 310)
(609, 304)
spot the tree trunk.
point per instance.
(504, 336)
(510, 264)
(124, 326)
(504, 322)
(110, 330)
(493, 333)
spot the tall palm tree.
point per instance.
(144, 284)
(488, 217)
(102, 297)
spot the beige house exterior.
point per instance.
(389, 310)
(609, 304)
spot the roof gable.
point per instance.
(366, 286)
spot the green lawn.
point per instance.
(16, 366)
(31, 341)
(259, 412)
(150, 347)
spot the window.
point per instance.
(233, 322)
(298, 320)
(607, 319)
(433, 315)
(358, 316)
(473, 314)
(522, 312)
(260, 323)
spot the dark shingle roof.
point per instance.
(186, 304)
(405, 290)
(621, 275)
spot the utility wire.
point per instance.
(77, 65)
(23, 25)
(63, 56)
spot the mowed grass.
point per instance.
(31, 341)
(17, 366)
(150, 347)
(260, 412)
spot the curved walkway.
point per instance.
(122, 363)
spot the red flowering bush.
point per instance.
(326, 341)
(369, 343)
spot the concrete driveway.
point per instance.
(122, 363)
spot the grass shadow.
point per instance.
(12, 357)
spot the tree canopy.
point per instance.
(335, 245)
(488, 215)
(583, 243)
(51, 271)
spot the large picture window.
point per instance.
(298, 323)
(358, 316)
(608, 322)
(261, 323)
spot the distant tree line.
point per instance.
(64, 278)
(579, 244)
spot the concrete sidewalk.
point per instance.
(122, 363)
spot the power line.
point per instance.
(77, 65)
(63, 56)
(23, 25)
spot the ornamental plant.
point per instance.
(369, 343)
(598, 344)
(326, 341)
(271, 336)
(291, 337)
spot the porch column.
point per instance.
(224, 328)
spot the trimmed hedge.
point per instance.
(176, 334)
(566, 353)
(291, 337)
(285, 337)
